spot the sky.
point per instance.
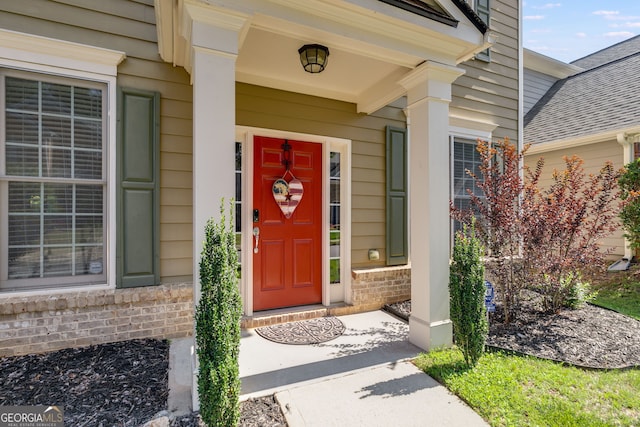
(571, 29)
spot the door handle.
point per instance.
(256, 237)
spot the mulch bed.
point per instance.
(126, 384)
(118, 384)
(590, 337)
(255, 412)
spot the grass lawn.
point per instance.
(619, 292)
(510, 390)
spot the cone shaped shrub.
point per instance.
(218, 325)
(466, 293)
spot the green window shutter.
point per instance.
(138, 203)
(397, 194)
(483, 10)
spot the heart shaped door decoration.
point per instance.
(287, 195)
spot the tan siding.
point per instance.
(96, 23)
(176, 144)
(176, 214)
(129, 26)
(594, 156)
(268, 108)
(489, 90)
(177, 179)
(100, 22)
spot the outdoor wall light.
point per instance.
(313, 57)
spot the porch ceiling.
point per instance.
(372, 45)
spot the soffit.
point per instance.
(372, 44)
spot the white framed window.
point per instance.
(54, 185)
(465, 157)
(57, 163)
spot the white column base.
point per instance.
(430, 336)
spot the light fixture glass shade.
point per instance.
(313, 57)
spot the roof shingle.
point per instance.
(594, 101)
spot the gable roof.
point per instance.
(595, 101)
(432, 10)
(609, 54)
(428, 9)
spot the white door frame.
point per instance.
(330, 293)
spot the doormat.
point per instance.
(312, 331)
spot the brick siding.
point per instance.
(34, 324)
(373, 288)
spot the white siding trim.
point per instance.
(63, 55)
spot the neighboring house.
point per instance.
(587, 109)
(120, 122)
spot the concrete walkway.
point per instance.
(362, 378)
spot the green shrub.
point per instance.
(218, 325)
(579, 294)
(467, 290)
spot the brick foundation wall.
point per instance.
(38, 323)
(373, 288)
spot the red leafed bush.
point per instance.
(540, 238)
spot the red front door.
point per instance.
(287, 260)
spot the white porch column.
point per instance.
(214, 50)
(428, 97)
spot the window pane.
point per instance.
(238, 187)
(58, 198)
(56, 131)
(335, 218)
(24, 263)
(21, 94)
(88, 164)
(334, 168)
(87, 102)
(89, 199)
(56, 98)
(335, 191)
(58, 230)
(22, 161)
(87, 134)
(24, 197)
(24, 230)
(89, 229)
(334, 244)
(238, 218)
(22, 128)
(89, 260)
(56, 162)
(58, 261)
(335, 271)
(238, 156)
